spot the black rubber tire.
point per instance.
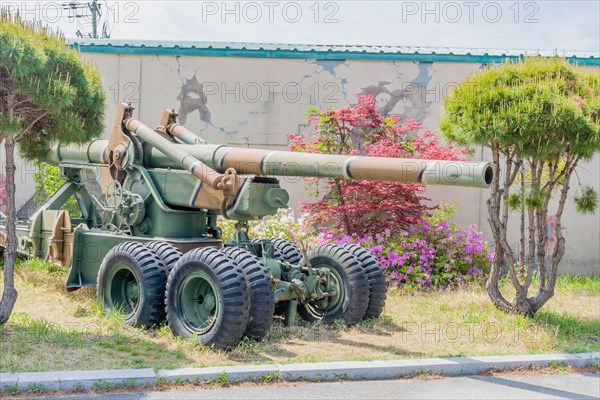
(285, 251)
(234, 297)
(353, 278)
(262, 292)
(167, 253)
(376, 278)
(149, 275)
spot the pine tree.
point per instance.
(47, 94)
(539, 117)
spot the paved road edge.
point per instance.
(352, 370)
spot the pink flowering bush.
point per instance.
(356, 206)
(432, 253)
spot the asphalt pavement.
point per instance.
(585, 386)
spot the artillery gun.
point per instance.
(150, 243)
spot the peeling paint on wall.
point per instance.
(192, 98)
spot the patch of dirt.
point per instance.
(536, 371)
(184, 387)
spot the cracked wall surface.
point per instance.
(257, 102)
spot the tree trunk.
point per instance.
(522, 305)
(546, 291)
(9, 295)
(535, 235)
(493, 205)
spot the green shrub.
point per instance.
(47, 182)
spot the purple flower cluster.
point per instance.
(429, 255)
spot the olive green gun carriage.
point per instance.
(149, 238)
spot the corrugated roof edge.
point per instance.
(328, 52)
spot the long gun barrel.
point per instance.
(286, 163)
(220, 158)
(219, 168)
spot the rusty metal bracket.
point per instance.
(168, 118)
(172, 128)
(119, 145)
(60, 245)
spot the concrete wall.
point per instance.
(256, 102)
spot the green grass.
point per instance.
(579, 284)
(575, 334)
(52, 329)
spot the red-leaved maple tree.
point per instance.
(367, 207)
